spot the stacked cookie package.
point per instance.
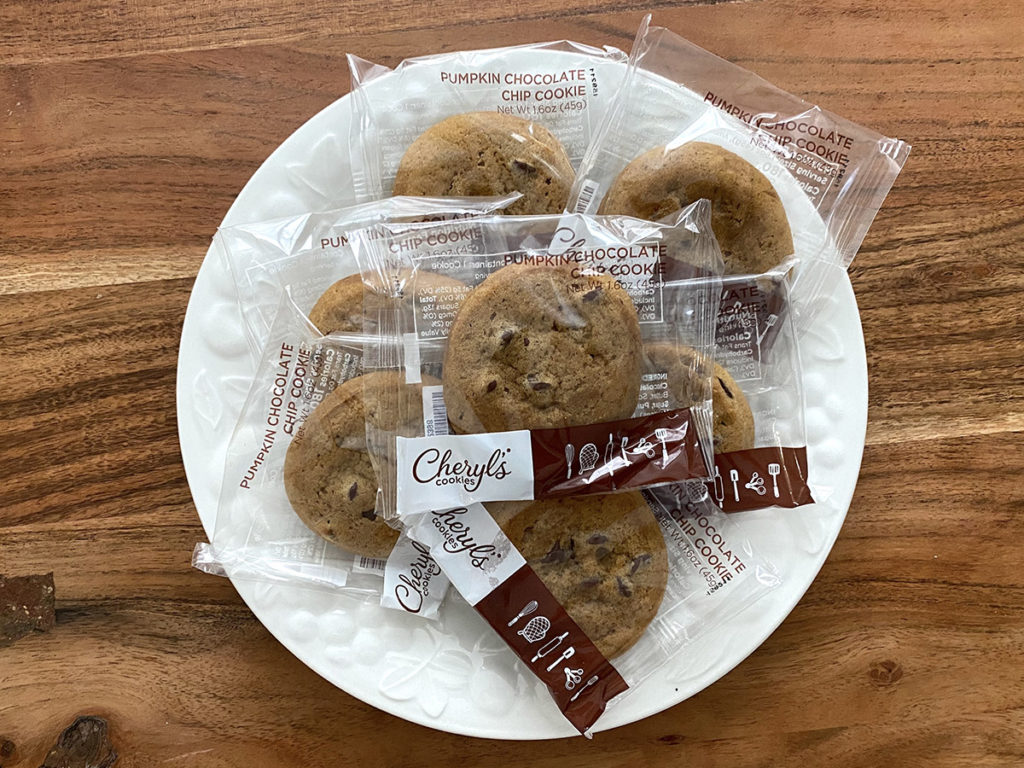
(551, 344)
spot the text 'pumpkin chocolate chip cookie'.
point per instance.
(602, 557)
(535, 347)
(328, 474)
(488, 153)
(746, 213)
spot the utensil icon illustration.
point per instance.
(719, 487)
(625, 442)
(588, 457)
(590, 682)
(696, 491)
(644, 447)
(568, 460)
(774, 470)
(662, 434)
(566, 655)
(609, 454)
(572, 678)
(529, 608)
(768, 323)
(756, 484)
(549, 646)
(734, 475)
(536, 629)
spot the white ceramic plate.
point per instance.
(455, 675)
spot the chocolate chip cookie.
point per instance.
(733, 421)
(602, 557)
(747, 216)
(534, 347)
(340, 308)
(328, 475)
(487, 153)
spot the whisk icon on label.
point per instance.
(588, 458)
(529, 608)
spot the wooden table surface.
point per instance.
(126, 129)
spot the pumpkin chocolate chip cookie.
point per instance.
(328, 475)
(733, 421)
(747, 216)
(602, 557)
(534, 347)
(340, 308)
(488, 153)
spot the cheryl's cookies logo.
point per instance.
(414, 582)
(442, 467)
(457, 534)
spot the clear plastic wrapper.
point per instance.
(481, 122)
(309, 254)
(299, 489)
(759, 439)
(536, 340)
(790, 183)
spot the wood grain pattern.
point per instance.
(126, 129)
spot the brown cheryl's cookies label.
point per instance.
(494, 578)
(600, 458)
(760, 477)
(537, 628)
(542, 463)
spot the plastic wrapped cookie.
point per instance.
(733, 420)
(328, 473)
(488, 153)
(603, 558)
(747, 216)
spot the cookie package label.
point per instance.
(760, 477)
(495, 579)
(445, 470)
(413, 581)
(641, 268)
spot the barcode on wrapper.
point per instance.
(369, 564)
(435, 415)
(587, 193)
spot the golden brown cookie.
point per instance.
(747, 216)
(328, 475)
(533, 347)
(733, 421)
(340, 308)
(602, 557)
(488, 153)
